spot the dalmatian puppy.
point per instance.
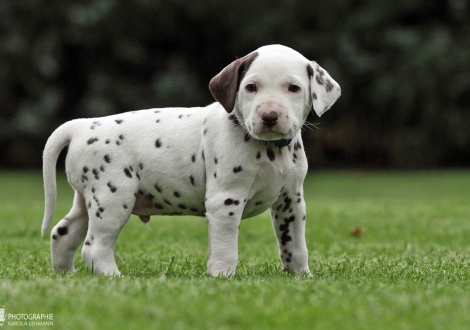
(227, 161)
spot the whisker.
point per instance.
(310, 125)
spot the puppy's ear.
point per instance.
(224, 86)
(324, 89)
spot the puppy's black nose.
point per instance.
(269, 118)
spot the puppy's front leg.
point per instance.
(223, 223)
(288, 215)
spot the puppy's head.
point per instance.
(272, 90)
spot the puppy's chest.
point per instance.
(277, 171)
(253, 172)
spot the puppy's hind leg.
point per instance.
(67, 236)
(107, 218)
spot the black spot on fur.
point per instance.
(125, 206)
(258, 155)
(167, 202)
(258, 203)
(107, 141)
(118, 121)
(328, 86)
(182, 206)
(158, 188)
(215, 175)
(193, 158)
(101, 209)
(234, 119)
(205, 132)
(230, 213)
(158, 206)
(228, 201)
(92, 140)
(177, 194)
(141, 165)
(247, 137)
(309, 70)
(287, 204)
(62, 231)
(128, 172)
(215, 160)
(85, 169)
(237, 169)
(112, 187)
(191, 178)
(284, 228)
(54, 236)
(102, 168)
(87, 243)
(271, 154)
(158, 143)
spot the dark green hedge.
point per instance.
(404, 68)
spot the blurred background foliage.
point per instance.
(404, 68)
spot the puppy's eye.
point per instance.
(251, 88)
(294, 88)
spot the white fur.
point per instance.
(198, 161)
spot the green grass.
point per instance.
(409, 269)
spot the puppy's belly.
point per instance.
(173, 202)
(148, 204)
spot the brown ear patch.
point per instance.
(224, 86)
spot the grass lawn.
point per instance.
(408, 269)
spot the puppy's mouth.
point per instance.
(272, 133)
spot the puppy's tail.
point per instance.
(59, 139)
